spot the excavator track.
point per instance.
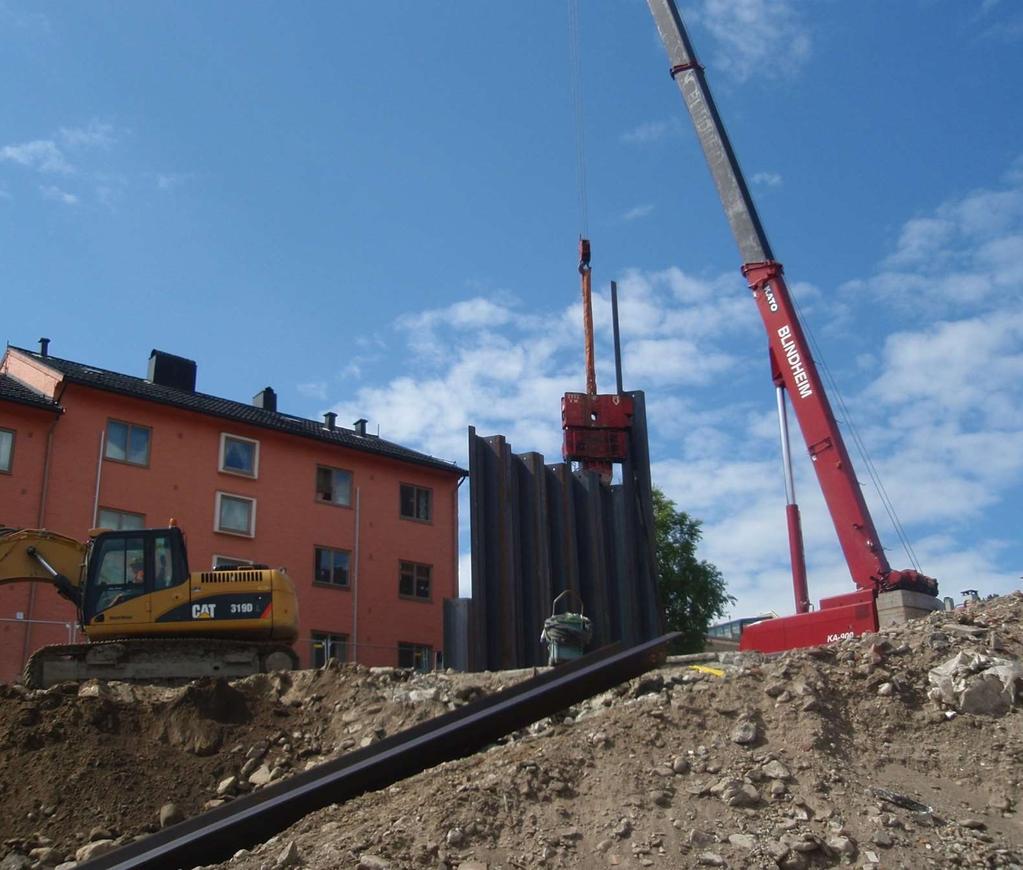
(155, 660)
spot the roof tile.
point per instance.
(14, 391)
(229, 410)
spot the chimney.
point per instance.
(360, 426)
(266, 399)
(330, 420)
(44, 347)
(168, 370)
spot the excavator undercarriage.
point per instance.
(162, 660)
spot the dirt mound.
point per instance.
(842, 755)
(99, 761)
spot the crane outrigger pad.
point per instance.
(216, 835)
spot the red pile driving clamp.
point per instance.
(596, 427)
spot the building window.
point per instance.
(333, 485)
(236, 514)
(415, 502)
(413, 580)
(415, 656)
(331, 566)
(227, 562)
(6, 450)
(117, 520)
(127, 442)
(239, 455)
(329, 646)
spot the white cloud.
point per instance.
(767, 179)
(171, 180)
(966, 255)
(942, 398)
(96, 134)
(58, 195)
(1010, 29)
(33, 23)
(483, 362)
(469, 314)
(651, 131)
(961, 367)
(43, 155)
(639, 211)
(673, 361)
(751, 34)
(313, 390)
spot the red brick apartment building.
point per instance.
(367, 529)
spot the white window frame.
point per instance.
(10, 454)
(120, 513)
(216, 515)
(333, 469)
(223, 451)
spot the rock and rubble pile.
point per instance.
(903, 748)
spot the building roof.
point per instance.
(227, 409)
(14, 391)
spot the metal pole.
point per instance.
(797, 554)
(355, 582)
(99, 476)
(585, 275)
(617, 336)
(786, 455)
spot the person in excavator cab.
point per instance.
(135, 584)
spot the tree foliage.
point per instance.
(692, 590)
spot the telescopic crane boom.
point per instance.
(792, 364)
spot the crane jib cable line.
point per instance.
(861, 447)
(576, 86)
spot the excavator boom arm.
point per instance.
(30, 555)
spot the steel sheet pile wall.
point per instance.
(540, 529)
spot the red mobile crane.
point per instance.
(794, 372)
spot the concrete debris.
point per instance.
(290, 857)
(745, 731)
(94, 850)
(976, 683)
(170, 814)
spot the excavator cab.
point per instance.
(125, 566)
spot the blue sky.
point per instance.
(373, 208)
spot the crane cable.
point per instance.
(861, 446)
(576, 85)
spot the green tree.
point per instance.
(692, 590)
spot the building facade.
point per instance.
(366, 529)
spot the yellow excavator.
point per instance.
(146, 617)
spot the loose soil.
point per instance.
(814, 758)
